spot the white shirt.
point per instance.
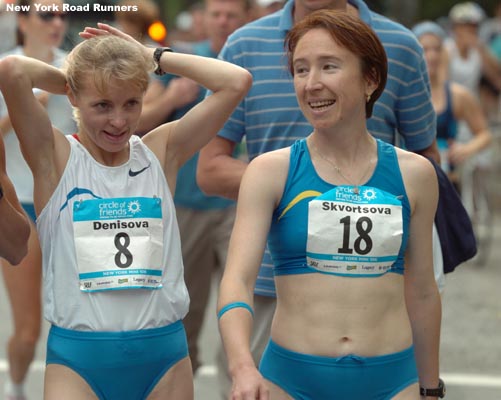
(66, 303)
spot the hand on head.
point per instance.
(105, 29)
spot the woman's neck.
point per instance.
(347, 149)
(109, 159)
(462, 49)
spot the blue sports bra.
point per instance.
(325, 228)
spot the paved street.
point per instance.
(471, 335)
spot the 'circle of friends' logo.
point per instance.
(134, 206)
(369, 194)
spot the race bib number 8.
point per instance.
(119, 243)
(353, 233)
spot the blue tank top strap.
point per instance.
(298, 151)
(446, 122)
(387, 165)
(300, 166)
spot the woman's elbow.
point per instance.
(20, 239)
(204, 181)
(16, 257)
(242, 82)
(17, 251)
(246, 80)
(10, 69)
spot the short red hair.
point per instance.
(354, 35)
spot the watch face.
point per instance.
(441, 385)
(156, 55)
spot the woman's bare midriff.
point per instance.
(334, 316)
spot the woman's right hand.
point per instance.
(105, 29)
(249, 384)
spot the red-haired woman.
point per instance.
(348, 220)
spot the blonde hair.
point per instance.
(104, 58)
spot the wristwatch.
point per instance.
(1, 192)
(157, 54)
(434, 392)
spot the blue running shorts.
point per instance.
(119, 365)
(311, 377)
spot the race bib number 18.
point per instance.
(352, 233)
(119, 243)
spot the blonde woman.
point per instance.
(112, 266)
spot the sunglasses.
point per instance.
(49, 16)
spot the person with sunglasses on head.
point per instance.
(40, 33)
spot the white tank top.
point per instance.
(468, 72)
(465, 71)
(111, 247)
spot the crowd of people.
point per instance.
(285, 149)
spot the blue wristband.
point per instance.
(235, 304)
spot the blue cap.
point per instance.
(429, 27)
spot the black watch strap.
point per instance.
(1, 192)
(434, 392)
(157, 54)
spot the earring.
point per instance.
(368, 97)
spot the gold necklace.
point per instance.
(356, 189)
